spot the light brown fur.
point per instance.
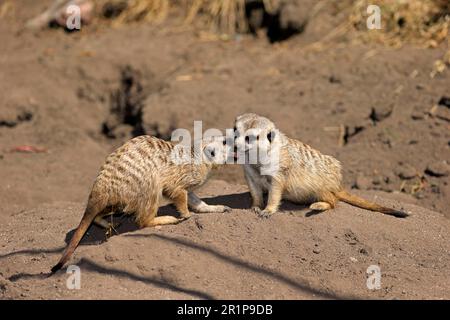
(304, 174)
(136, 176)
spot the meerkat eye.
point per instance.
(224, 142)
(247, 139)
(213, 154)
(270, 136)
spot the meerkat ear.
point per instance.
(271, 136)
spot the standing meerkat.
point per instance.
(134, 178)
(302, 175)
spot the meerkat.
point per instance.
(303, 174)
(138, 174)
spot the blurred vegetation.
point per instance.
(424, 22)
(421, 22)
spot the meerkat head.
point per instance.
(253, 132)
(216, 150)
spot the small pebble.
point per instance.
(405, 171)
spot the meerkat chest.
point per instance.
(197, 176)
(264, 181)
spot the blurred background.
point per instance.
(378, 100)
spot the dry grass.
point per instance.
(226, 16)
(223, 16)
(7, 9)
(422, 22)
(127, 11)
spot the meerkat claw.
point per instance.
(256, 210)
(226, 209)
(265, 214)
(111, 229)
(262, 213)
(186, 216)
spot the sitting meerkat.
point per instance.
(294, 172)
(134, 178)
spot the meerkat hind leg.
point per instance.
(152, 220)
(99, 221)
(163, 220)
(320, 206)
(180, 200)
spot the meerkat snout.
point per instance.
(256, 145)
(217, 151)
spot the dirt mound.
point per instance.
(293, 255)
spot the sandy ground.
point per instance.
(293, 255)
(65, 94)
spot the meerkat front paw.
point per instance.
(256, 210)
(225, 209)
(262, 213)
(218, 209)
(265, 213)
(212, 209)
(185, 216)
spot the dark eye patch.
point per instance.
(250, 138)
(235, 131)
(270, 136)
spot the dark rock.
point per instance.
(12, 116)
(405, 171)
(377, 180)
(417, 115)
(443, 114)
(444, 101)
(381, 112)
(333, 79)
(351, 131)
(438, 169)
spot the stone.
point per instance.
(438, 169)
(405, 172)
(380, 112)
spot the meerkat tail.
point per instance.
(365, 204)
(88, 217)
